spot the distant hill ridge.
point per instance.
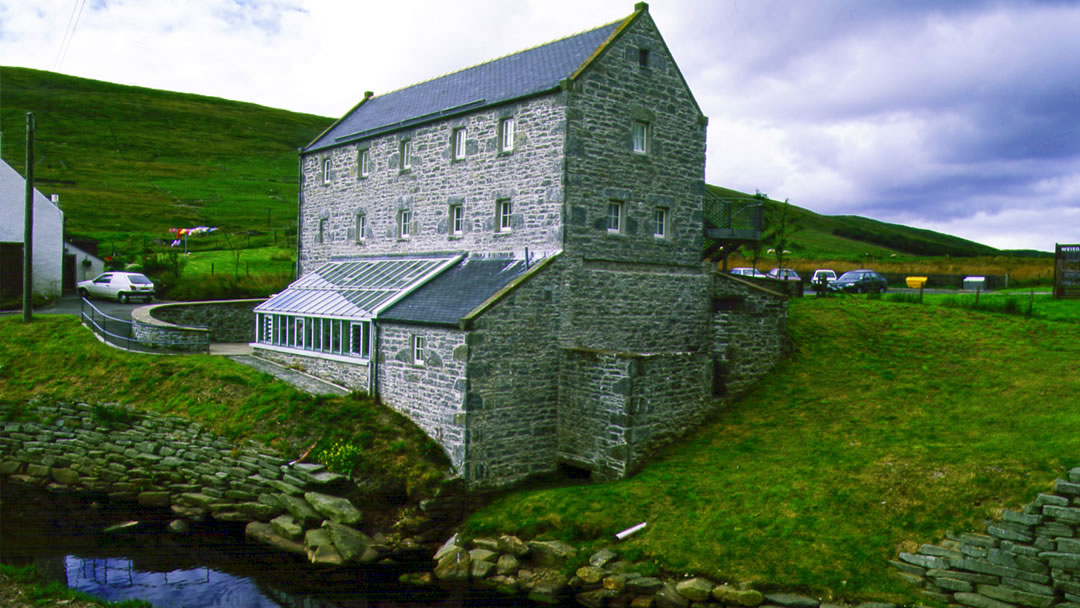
(134, 161)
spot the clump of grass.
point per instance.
(41, 592)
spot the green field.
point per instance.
(890, 425)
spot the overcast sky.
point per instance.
(952, 115)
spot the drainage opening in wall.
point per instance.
(574, 473)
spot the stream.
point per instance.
(213, 566)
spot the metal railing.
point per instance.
(739, 215)
(124, 334)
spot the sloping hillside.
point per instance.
(133, 160)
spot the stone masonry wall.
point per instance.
(432, 395)
(513, 391)
(165, 461)
(351, 374)
(617, 408)
(169, 337)
(1028, 558)
(601, 165)
(529, 177)
(227, 320)
(749, 332)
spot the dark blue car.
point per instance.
(860, 281)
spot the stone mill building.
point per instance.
(511, 255)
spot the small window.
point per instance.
(503, 211)
(365, 162)
(457, 220)
(641, 137)
(326, 167)
(506, 135)
(360, 339)
(406, 155)
(660, 217)
(459, 143)
(615, 210)
(418, 350)
(322, 231)
(361, 227)
(643, 57)
(404, 224)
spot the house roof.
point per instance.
(13, 187)
(449, 297)
(357, 289)
(523, 74)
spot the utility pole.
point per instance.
(28, 225)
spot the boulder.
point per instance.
(512, 545)
(454, 542)
(333, 507)
(695, 589)
(669, 597)
(482, 555)
(596, 598)
(265, 534)
(486, 543)
(601, 557)
(454, 565)
(151, 499)
(481, 568)
(791, 600)
(320, 548)
(590, 574)
(551, 552)
(66, 476)
(507, 564)
(300, 510)
(286, 526)
(739, 597)
(644, 585)
(179, 526)
(353, 544)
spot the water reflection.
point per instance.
(117, 579)
(211, 567)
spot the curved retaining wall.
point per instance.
(187, 325)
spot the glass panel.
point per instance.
(324, 345)
(641, 130)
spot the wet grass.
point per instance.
(39, 592)
(887, 427)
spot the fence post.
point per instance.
(1031, 302)
(977, 292)
(922, 286)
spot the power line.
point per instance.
(69, 32)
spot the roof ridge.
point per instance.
(500, 57)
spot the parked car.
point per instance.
(860, 281)
(823, 275)
(784, 274)
(121, 286)
(748, 272)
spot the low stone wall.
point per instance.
(164, 461)
(226, 320)
(1028, 558)
(170, 338)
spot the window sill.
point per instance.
(499, 233)
(615, 234)
(403, 239)
(506, 153)
(456, 237)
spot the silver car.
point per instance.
(120, 286)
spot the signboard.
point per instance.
(1067, 271)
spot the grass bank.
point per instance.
(54, 357)
(887, 427)
(1014, 302)
(25, 586)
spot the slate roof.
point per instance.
(523, 74)
(357, 289)
(13, 191)
(456, 292)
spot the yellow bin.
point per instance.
(916, 282)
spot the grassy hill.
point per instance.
(812, 235)
(134, 161)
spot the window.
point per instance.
(418, 350)
(361, 227)
(316, 334)
(458, 143)
(641, 137)
(660, 223)
(404, 223)
(406, 155)
(615, 211)
(503, 210)
(326, 166)
(457, 220)
(643, 57)
(321, 238)
(365, 163)
(506, 135)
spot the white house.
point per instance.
(48, 252)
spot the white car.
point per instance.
(748, 272)
(823, 276)
(121, 286)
